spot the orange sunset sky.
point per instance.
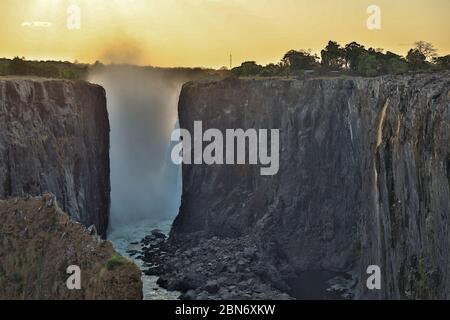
(204, 32)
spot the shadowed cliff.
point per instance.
(54, 137)
(364, 177)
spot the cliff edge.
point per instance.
(54, 137)
(38, 243)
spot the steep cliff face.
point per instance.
(364, 177)
(38, 242)
(54, 137)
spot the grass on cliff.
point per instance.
(115, 262)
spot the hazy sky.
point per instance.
(205, 32)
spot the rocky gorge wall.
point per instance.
(364, 177)
(54, 137)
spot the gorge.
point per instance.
(364, 179)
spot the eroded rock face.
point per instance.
(54, 137)
(38, 242)
(364, 177)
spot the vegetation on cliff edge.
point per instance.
(351, 59)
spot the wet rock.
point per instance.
(154, 271)
(206, 272)
(232, 269)
(163, 282)
(212, 287)
(190, 295)
(132, 253)
(158, 234)
(249, 253)
(190, 281)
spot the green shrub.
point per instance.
(247, 69)
(115, 261)
(367, 65)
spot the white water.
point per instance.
(123, 239)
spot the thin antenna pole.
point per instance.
(231, 61)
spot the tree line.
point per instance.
(353, 58)
(49, 69)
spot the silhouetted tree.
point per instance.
(426, 48)
(354, 56)
(271, 70)
(395, 66)
(367, 65)
(18, 66)
(300, 60)
(353, 52)
(416, 59)
(248, 68)
(333, 56)
(443, 62)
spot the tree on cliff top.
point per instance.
(421, 56)
(442, 62)
(248, 68)
(333, 56)
(353, 58)
(368, 65)
(416, 59)
(353, 51)
(427, 49)
(300, 60)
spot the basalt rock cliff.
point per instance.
(364, 177)
(54, 137)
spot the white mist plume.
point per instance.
(142, 106)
